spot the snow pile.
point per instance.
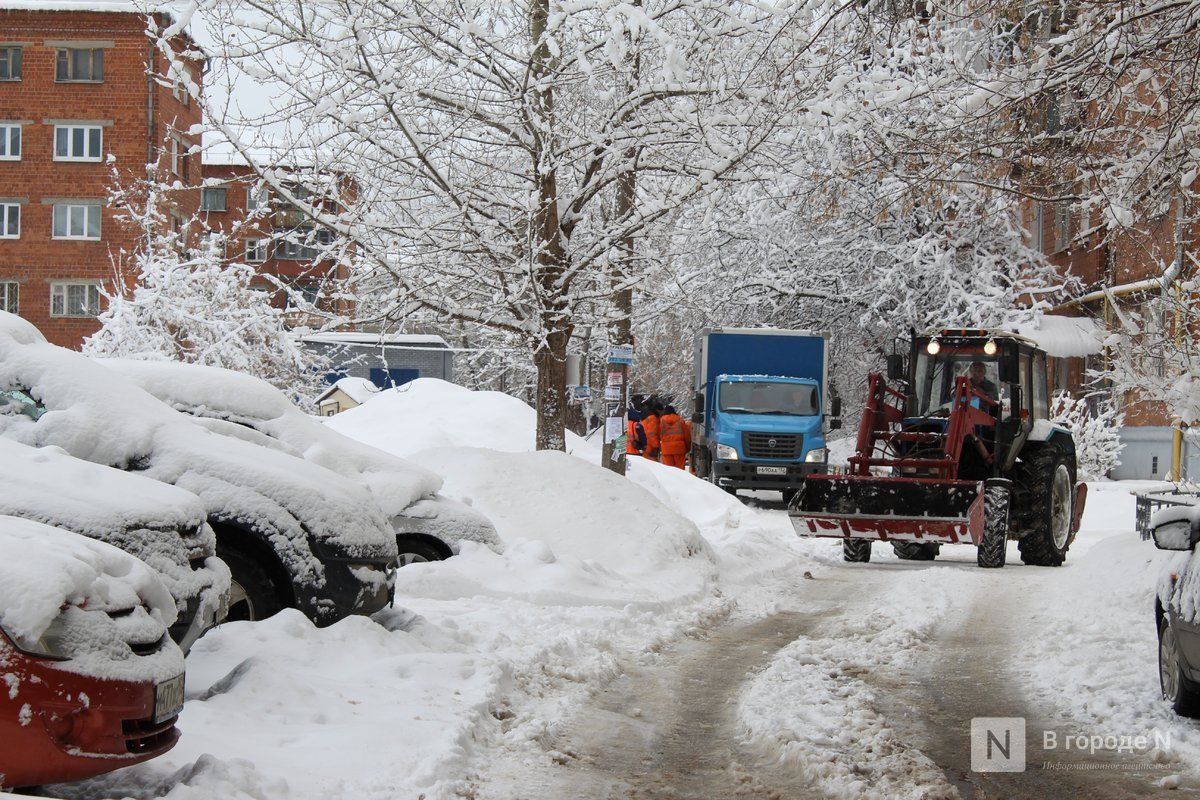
(48, 575)
(428, 413)
(252, 405)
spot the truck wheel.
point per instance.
(997, 494)
(1177, 690)
(252, 593)
(856, 551)
(916, 551)
(700, 462)
(1050, 478)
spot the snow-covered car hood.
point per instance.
(95, 415)
(234, 397)
(99, 598)
(449, 520)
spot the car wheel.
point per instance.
(1177, 690)
(253, 595)
(856, 551)
(415, 551)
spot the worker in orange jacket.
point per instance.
(675, 438)
(635, 434)
(650, 423)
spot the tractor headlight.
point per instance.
(989, 347)
(726, 453)
(933, 347)
(815, 455)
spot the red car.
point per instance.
(90, 681)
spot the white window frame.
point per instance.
(6, 211)
(253, 247)
(71, 209)
(1062, 226)
(59, 291)
(10, 296)
(87, 129)
(6, 129)
(71, 78)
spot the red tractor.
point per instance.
(956, 446)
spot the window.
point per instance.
(10, 221)
(297, 247)
(9, 291)
(74, 299)
(256, 198)
(10, 141)
(1062, 225)
(256, 251)
(179, 159)
(212, 199)
(180, 91)
(78, 142)
(76, 221)
(79, 65)
(10, 63)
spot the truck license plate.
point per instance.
(772, 470)
(168, 699)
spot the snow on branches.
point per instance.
(1095, 423)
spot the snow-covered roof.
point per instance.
(360, 390)
(117, 6)
(386, 339)
(1065, 337)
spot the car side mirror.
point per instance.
(698, 403)
(895, 367)
(1179, 531)
(835, 407)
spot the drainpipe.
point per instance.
(1177, 284)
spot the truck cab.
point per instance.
(763, 426)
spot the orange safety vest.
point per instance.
(674, 434)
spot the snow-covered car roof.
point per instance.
(47, 573)
(47, 485)
(246, 400)
(95, 415)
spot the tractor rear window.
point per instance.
(763, 397)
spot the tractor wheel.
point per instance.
(916, 551)
(1050, 477)
(856, 551)
(997, 493)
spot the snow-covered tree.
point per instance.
(178, 299)
(1095, 422)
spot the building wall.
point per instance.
(358, 361)
(135, 114)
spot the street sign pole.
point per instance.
(616, 401)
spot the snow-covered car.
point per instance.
(292, 533)
(162, 525)
(1177, 607)
(92, 681)
(428, 526)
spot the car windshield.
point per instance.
(765, 397)
(935, 376)
(17, 401)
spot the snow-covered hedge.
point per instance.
(1096, 426)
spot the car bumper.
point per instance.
(204, 610)
(351, 587)
(744, 474)
(76, 726)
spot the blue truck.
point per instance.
(759, 418)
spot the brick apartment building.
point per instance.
(81, 92)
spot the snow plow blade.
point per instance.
(946, 511)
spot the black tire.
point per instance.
(1182, 694)
(1049, 477)
(416, 551)
(789, 495)
(997, 495)
(253, 595)
(856, 551)
(700, 462)
(916, 551)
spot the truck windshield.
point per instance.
(763, 397)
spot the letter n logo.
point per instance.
(998, 744)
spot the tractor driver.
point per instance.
(979, 381)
